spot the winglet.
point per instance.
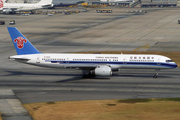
(22, 45)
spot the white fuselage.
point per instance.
(22, 7)
(80, 61)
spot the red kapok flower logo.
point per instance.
(20, 42)
(1, 4)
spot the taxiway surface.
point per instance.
(43, 85)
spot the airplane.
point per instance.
(18, 7)
(91, 64)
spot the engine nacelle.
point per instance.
(103, 70)
(7, 11)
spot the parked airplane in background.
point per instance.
(90, 64)
(16, 7)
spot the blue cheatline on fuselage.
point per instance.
(168, 65)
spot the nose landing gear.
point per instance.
(156, 74)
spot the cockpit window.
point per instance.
(169, 61)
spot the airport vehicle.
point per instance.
(51, 13)
(178, 21)
(9, 8)
(12, 22)
(67, 12)
(25, 13)
(2, 22)
(104, 11)
(91, 64)
(137, 11)
(85, 10)
(75, 11)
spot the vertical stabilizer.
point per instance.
(22, 45)
(2, 3)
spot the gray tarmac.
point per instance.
(156, 30)
(44, 85)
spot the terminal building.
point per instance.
(141, 3)
(158, 3)
(111, 2)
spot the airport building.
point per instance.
(112, 2)
(142, 3)
(158, 3)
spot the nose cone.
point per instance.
(174, 65)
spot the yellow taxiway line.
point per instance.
(144, 47)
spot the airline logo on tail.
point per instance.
(20, 42)
(1, 4)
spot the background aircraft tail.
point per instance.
(44, 2)
(2, 3)
(22, 45)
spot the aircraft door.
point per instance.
(159, 61)
(38, 59)
(67, 60)
(124, 61)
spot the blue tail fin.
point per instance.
(22, 45)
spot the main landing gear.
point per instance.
(156, 74)
(87, 74)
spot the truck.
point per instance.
(104, 11)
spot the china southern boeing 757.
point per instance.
(91, 64)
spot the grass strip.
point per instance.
(169, 99)
(134, 100)
(148, 109)
(0, 117)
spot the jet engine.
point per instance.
(102, 70)
(7, 11)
